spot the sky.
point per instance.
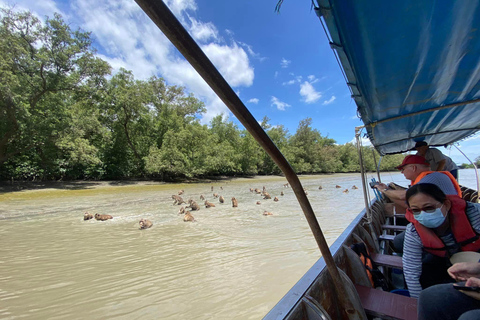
(279, 64)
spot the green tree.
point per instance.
(40, 67)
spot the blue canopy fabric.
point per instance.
(413, 67)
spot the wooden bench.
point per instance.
(387, 305)
(387, 260)
(387, 237)
(393, 227)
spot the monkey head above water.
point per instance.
(208, 204)
(221, 199)
(145, 224)
(102, 217)
(193, 205)
(234, 202)
(275, 199)
(177, 199)
(188, 217)
(87, 216)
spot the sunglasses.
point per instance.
(427, 209)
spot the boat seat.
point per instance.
(387, 305)
(388, 237)
(387, 260)
(393, 227)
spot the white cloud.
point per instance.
(364, 141)
(287, 83)
(252, 53)
(38, 8)
(127, 38)
(179, 6)
(296, 79)
(312, 79)
(202, 31)
(253, 100)
(279, 104)
(307, 91)
(329, 100)
(232, 62)
(285, 63)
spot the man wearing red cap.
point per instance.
(416, 169)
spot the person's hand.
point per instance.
(464, 270)
(381, 186)
(473, 282)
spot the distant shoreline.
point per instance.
(15, 186)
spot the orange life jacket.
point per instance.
(452, 178)
(462, 230)
(367, 262)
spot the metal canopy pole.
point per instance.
(362, 172)
(161, 15)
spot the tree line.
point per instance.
(64, 116)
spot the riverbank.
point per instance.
(9, 186)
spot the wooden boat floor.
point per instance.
(387, 305)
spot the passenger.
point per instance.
(417, 170)
(443, 302)
(441, 225)
(437, 160)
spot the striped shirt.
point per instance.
(413, 249)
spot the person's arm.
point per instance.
(463, 270)
(441, 165)
(437, 157)
(399, 195)
(412, 261)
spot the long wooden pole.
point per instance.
(176, 33)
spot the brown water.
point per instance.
(233, 263)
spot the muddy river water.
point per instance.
(232, 263)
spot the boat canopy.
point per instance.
(413, 67)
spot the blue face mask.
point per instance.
(430, 220)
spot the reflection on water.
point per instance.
(232, 263)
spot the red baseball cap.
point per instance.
(413, 159)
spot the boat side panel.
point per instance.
(292, 299)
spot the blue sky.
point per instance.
(280, 65)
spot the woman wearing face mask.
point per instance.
(440, 227)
